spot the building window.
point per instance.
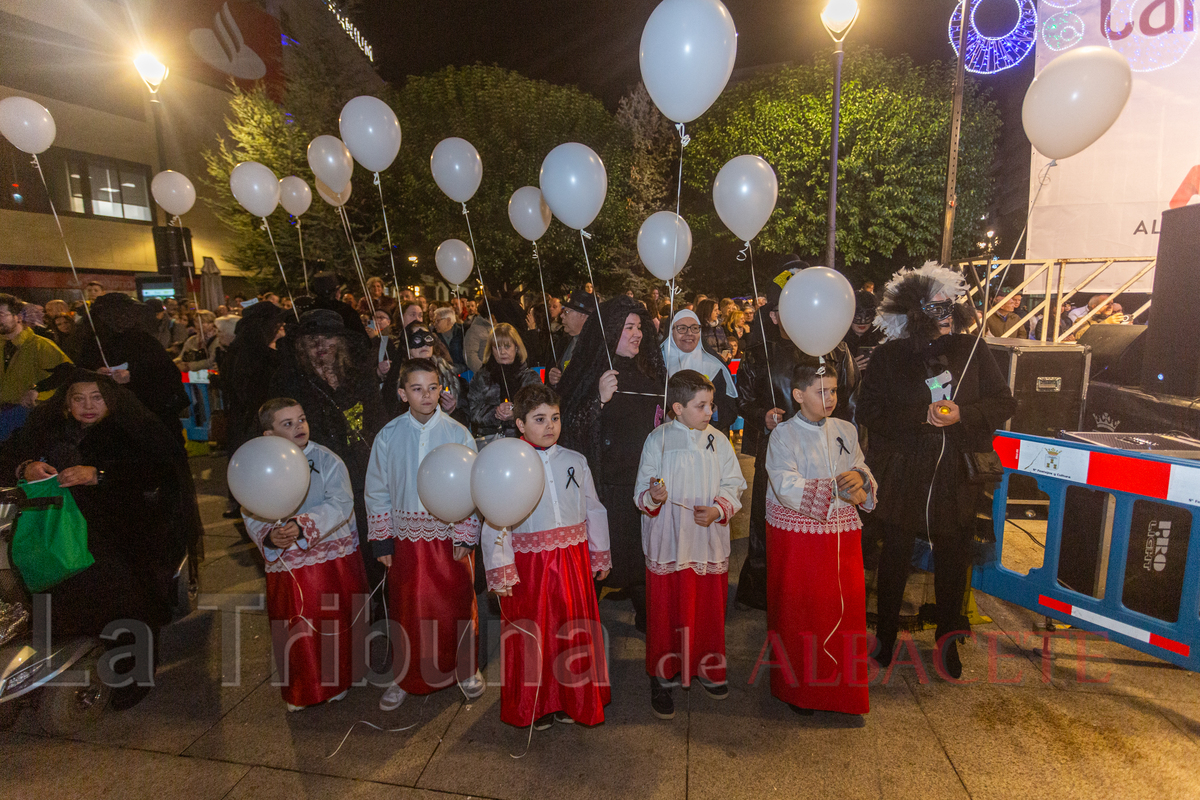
(80, 184)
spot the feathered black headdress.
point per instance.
(899, 313)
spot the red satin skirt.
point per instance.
(685, 625)
(314, 667)
(553, 608)
(804, 604)
(432, 598)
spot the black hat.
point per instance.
(321, 321)
(581, 301)
(268, 312)
(864, 301)
(323, 284)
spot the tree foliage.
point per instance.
(895, 122)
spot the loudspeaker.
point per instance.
(1117, 352)
(1172, 362)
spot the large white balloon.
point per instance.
(745, 193)
(255, 187)
(816, 309)
(664, 243)
(687, 54)
(26, 124)
(371, 132)
(507, 482)
(295, 196)
(330, 161)
(444, 482)
(457, 168)
(173, 192)
(334, 199)
(454, 261)
(528, 212)
(1075, 99)
(268, 475)
(574, 183)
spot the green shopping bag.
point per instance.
(50, 545)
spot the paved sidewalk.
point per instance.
(1031, 723)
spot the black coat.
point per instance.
(488, 391)
(153, 377)
(905, 449)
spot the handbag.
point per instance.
(50, 545)
(983, 467)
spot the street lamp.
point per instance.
(153, 73)
(838, 17)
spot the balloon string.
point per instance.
(583, 237)
(188, 258)
(758, 312)
(537, 690)
(666, 368)
(303, 261)
(267, 227)
(358, 267)
(391, 252)
(684, 139)
(486, 302)
(838, 563)
(546, 304)
(86, 305)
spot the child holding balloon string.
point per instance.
(430, 580)
(543, 570)
(689, 486)
(315, 576)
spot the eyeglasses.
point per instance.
(863, 317)
(684, 330)
(938, 310)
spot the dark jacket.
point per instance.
(714, 339)
(487, 392)
(454, 343)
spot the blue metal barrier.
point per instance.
(1164, 496)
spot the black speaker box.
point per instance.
(1117, 353)
(173, 251)
(1171, 363)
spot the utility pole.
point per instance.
(955, 126)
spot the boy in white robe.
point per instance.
(689, 486)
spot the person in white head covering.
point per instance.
(683, 351)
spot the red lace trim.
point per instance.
(379, 527)
(727, 511)
(601, 560)
(842, 520)
(553, 539)
(421, 526)
(467, 531)
(817, 497)
(699, 567)
(644, 504)
(319, 553)
(502, 577)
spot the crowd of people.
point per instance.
(634, 406)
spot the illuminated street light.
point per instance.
(153, 72)
(838, 17)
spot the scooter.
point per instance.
(28, 676)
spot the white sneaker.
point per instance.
(291, 707)
(392, 698)
(474, 686)
(337, 697)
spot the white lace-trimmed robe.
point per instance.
(326, 517)
(568, 513)
(801, 492)
(394, 510)
(695, 475)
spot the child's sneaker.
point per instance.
(474, 686)
(563, 718)
(543, 722)
(661, 702)
(717, 691)
(392, 698)
(337, 697)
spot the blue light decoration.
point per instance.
(1062, 31)
(987, 55)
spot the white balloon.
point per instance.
(574, 183)
(255, 187)
(26, 124)
(1075, 99)
(507, 482)
(457, 168)
(334, 199)
(173, 192)
(330, 161)
(454, 261)
(664, 243)
(371, 132)
(269, 476)
(295, 196)
(528, 212)
(687, 54)
(444, 482)
(745, 193)
(816, 309)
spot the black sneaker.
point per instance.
(543, 722)
(563, 718)
(951, 659)
(717, 691)
(804, 712)
(661, 701)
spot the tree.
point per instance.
(892, 163)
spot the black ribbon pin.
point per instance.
(710, 443)
(571, 478)
(842, 446)
(313, 467)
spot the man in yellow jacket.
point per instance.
(26, 359)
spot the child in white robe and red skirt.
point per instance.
(543, 570)
(431, 572)
(816, 598)
(689, 486)
(315, 575)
